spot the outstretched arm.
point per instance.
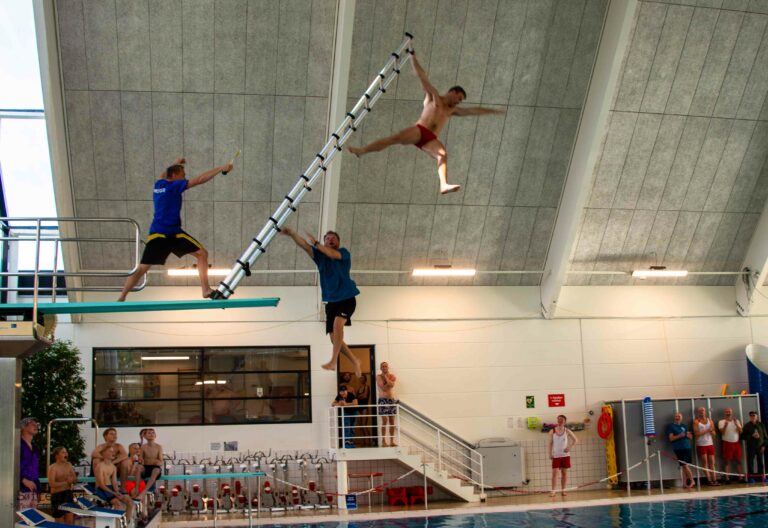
(303, 244)
(208, 175)
(178, 161)
(422, 75)
(475, 110)
(325, 250)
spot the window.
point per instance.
(185, 386)
(25, 167)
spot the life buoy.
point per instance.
(604, 425)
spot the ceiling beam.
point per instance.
(337, 107)
(756, 266)
(614, 41)
(53, 102)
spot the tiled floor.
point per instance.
(494, 504)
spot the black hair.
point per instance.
(458, 89)
(342, 388)
(332, 233)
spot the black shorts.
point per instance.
(343, 309)
(59, 498)
(148, 471)
(159, 246)
(684, 456)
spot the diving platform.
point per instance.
(25, 309)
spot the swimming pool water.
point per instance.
(739, 510)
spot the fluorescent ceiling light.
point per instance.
(658, 271)
(211, 382)
(164, 358)
(192, 272)
(443, 272)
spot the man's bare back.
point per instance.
(437, 110)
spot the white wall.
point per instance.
(465, 356)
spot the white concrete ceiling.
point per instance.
(681, 180)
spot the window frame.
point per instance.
(203, 352)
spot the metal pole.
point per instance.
(661, 478)
(343, 432)
(695, 454)
(250, 505)
(439, 452)
(258, 494)
(426, 499)
(36, 283)
(626, 447)
(647, 467)
(744, 452)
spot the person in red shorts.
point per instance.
(423, 135)
(561, 440)
(704, 431)
(730, 432)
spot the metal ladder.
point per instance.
(319, 165)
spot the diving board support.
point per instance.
(317, 167)
(614, 40)
(10, 410)
(756, 268)
(137, 306)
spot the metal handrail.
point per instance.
(35, 231)
(48, 435)
(468, 464)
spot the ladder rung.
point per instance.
(319, 164)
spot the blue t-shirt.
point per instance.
(676, 429)
(335, 282)
(167, 200)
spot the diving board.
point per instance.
(135, 306)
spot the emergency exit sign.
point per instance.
(556, 400)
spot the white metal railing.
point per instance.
(45, 232)
(354, 426)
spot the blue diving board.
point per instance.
(136, 306)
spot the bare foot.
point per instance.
(329, 366)
(121, 299)
(564, 493)
(393, 444)
(384, 444)
(449, 188)
(207, 293)
(552, 493)
(357, 151)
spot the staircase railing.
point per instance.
(359, 425)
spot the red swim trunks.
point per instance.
(426, 136)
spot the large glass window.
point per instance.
(181, 386)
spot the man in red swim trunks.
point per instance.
(437, 110)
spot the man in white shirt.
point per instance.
(730, 432)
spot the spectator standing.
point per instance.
(754, 434)
(704, 431)
(730, 433)
(346, 399)
(385, 382)
(680, 437)
(29, 476)
(561, 440)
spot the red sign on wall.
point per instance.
(556, 400)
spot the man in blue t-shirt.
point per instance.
(679, 436)
(165, 233)
(338, 289)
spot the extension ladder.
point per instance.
(319, 165)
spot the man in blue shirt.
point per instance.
(338, 289)
(165, 233)
(680, 437)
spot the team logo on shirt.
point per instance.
(159, 191)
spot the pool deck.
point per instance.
(492, 505)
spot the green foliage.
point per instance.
(52, 386)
